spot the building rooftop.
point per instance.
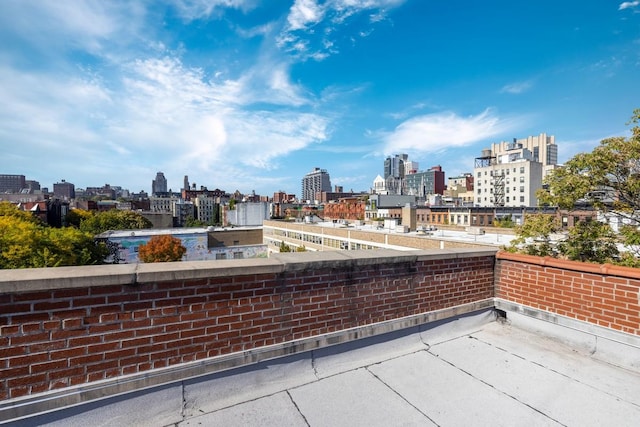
(469, 370)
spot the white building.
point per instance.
(511, 180)
(247, 214)
(379, 185)
(510, 173)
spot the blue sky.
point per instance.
(251, 95)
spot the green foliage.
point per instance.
(114, 220)
(76, 216)
(25, 242)
(163, 248)
(301, 249)
(232, 204)
(534, 235)
(193, 222)
(505, 222)
(607, 178)
(284, 247)
(590, 241)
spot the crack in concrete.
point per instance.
(555, 371)
(297, 408)
(496, 389)
(401, 396)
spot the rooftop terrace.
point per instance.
(457, 337)
(465, 371)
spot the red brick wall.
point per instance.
(51, 339)
(604, 295)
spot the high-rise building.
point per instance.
(510, 174)
(64, 190)
(159, 185)
(12, 183)
(317, 180)
(394, 173)
(394, 166)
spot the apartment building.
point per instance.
(510, 174)
(317, 180)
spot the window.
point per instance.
(238, 255)
(522, 188)
(521, 199)
(522, 179)
(221, 256)
(507, 199)
(479, 174)
(521, 169)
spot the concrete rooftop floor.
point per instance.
(469, 372)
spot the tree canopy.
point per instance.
(26, 242)
(114, 220)
(607, 179)
(163, 248)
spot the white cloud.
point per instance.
(304, 13)
(196, 9)
(517, 88)
(87, 25)
(628, 5)
(436, 132)
(310, 24)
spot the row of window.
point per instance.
(479, 199)
(506, 189)
(498, 173)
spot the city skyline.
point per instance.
(249, 95)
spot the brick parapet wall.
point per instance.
(603, 295)
(71, 326)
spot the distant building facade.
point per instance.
(64, 190)
(425, 183)
(12, 183)
(511, 180)
(159, 185)
(315, 181)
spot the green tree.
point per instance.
(76, 216)
(534, 236)
(592, 241)
(114, 220)
(26, 242)
(163, 248)
(607, 178)
(505, 222)
(193, 222)
(284, 247)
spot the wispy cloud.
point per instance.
(628, 5)
(436, 132)
(196, 9)
(148, 103)
(311, 24)
(517, 87)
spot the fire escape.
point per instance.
(498, 188)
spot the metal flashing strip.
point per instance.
(567, 322)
